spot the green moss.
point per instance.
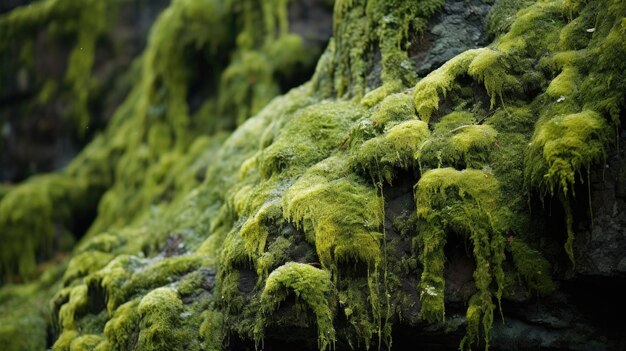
(563, 146)
(122, 326)
(360, 25)
(395, 149)
(319, 129)
(339, 213)
(531, 266)
(464, 203)
(181, 196)
(212, 331)
(85, 343)
(311, 287)
(489, 67)
(30, 215)
(458, 142)
(442, 80)
(394, 108)
(159, 324)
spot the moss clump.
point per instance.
(340, 213)
(466, 203)
(31, 216)
(160, 316)
(561, 148)
(319, 129)
(458, 142)
(360, 26)
(533, 269)
(394, 149)
(487, 66)
(442, 80)
(393, 109)
(312, 289)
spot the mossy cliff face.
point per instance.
(329, 214)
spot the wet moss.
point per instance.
(311, 287)
(180, 193)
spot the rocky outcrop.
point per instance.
(449, 177)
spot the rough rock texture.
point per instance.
(406, 194)
(459, 26)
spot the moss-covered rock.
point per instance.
(291, 222)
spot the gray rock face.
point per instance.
(459, 27)
(601, 243)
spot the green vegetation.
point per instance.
(209, 222)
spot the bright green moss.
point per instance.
(458, 142)
(441, 80)
(395, 149)
(338, 211)
(535, 30)
(319, 129)
(311, 287)
(122, 325)
(561, 148)
(489, 67)
(485, 65)
(564, 146)
(160, 319)
(360, 25)
(85, 263)
(212, 330)
(465, 203)
(394, 108)
(275, 256)
(387, 90)
(565, 84)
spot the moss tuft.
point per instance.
(311, 287)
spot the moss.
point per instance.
(360, 25)
(394, 149)
(85, 263)
(87, 343)
(394, 108)
(489, 67)
(340, 213)
(212, 331)
(560, 149)
(160, 312)
(181, 194)
(30, 215)
(23, 312)
(122, 326)
(531, 266)
(465, 203)
(458, 142)
(319, 129)
(535, 30)
(311, 287)
(442, 80)
(485, 65)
